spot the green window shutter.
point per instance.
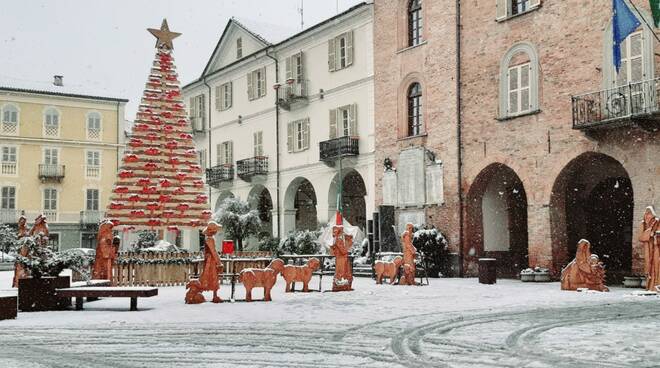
(219, 98)
(289, 72)
(306, 133)
(332, 55)
(333, 123)
(349, 48)
(300, 67)
(250, 86)
(289, 136)
(353, 120)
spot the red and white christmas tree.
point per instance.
(159, 185)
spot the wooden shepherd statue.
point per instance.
(409, 252)
(19, 271)
(106, 253)
(585, 271)
(650, 239)
(40, 231)
(343, 279)
(212, 264)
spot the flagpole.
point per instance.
(645, 22)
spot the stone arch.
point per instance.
(530, 54)
(300, 211)
(260, 199)
(223, 195)
(496, 220)
(353, 197)
(592, 198)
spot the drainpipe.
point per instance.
(208, 156)
(459, 145)
(277, 145)
(120, 129)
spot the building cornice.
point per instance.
(59, 142)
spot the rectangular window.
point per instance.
(239, 48)
(51, 156)
(50, 199)
(54, 240)
(258, 139)
(298, 135)
(519, 6)
(632, 60)
(8, 165)
(92, 200)
(9, 154)
(225, 153)
(10, 116)
(8, 201)
(93, 164)
(197, 113)
(256, 83)
(223, 98)
(519, 89)
(340, 51)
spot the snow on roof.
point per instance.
(266, 32)
(48, 87)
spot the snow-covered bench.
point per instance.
(107, 292)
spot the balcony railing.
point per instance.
(620, 106)
(51, 172)
(8, 168)
(51, 215)
(90, 217)
(246, 169)
(9, 216)
(339, 147)
(219, 174)
(292, 94)
(92, 171)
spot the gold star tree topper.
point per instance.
(163, 35)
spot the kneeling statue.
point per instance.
(585, 271)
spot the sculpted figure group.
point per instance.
(585, 271)
(107, 249)
(39, 232)
(390, 269)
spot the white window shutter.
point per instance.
(219, 154)
(300, 65)
(289, 136)
(219, 97)
(193, 109)
(231, 152)
(306, 133)
(353, 120)
(202, 115)
(502, 9)
(349, 48)
(289, 73)
(262, 82)
(230, 97)
(250, 85)
(332, 55)
(333, 123)
(534, 3)
(255, 144)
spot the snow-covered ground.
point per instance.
(451, 323)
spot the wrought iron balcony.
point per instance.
(51, 172)
(91, 218)
(250, 167)
(633, 104)
(290, 95)
(219, 174)
(339, 147)
(9, 216)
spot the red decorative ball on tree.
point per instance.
(125, 174)
(131, 158)
(153, 151)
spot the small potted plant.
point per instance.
(541, 274)
(37, 292)
(527, 275)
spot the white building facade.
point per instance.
(278, 124)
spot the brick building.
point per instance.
(555, 144)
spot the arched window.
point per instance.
(415, 22)
(519, 81)
(93, 125)
(51, 122)
(9, 119)
(415, 116)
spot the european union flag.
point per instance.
(624, 22)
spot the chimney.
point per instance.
(58, 80)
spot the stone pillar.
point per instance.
(539, 240)
(288, 221)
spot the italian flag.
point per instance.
(655, 8)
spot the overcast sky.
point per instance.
(103, 45)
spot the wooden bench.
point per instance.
(107, 292)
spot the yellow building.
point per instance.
(59, 153)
